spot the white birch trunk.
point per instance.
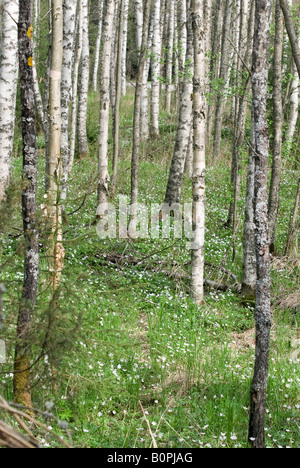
(169, 65)
(8, 88)
(199, 163)
(124, 48)
(138, 10)
(97, 48)
(75, 86)
(184, 122)
(155, 85)
(69, 11)
(103, 175)
(145, 100)
(83, 147)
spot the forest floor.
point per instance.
(137, 364)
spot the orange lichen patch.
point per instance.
(30, 31)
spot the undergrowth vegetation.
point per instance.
(128, 347)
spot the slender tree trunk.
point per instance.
(155, 86)
(262, 241)
(249, 255)
(55, 162)
(138, 10)
(199, 163)
(144, 124)
(75, 86)
(278, 121)
(222, 79)
(293, 224)
(214, 63)
(98, 43)
(22, 381)
(184, 124)
(83, 147)
(136, 121)
(240, 113)
(118, 97)
(169, 60)
(69, 10)
(124, 48)
(291, 30)
(8, 89)
(103, 175)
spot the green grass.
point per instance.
(126, 337)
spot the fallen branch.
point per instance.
(9, 438)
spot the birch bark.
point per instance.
(199, 162)
(156, 58)
(278, 122)
(69, 15)
(185, 119)
(8, 89)
(103, 175)
(83, 147)
(97, 47)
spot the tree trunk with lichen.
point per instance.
(262, 313)
(22, 392)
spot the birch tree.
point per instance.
(249, 255)
(124, 47)
(136, 122)
(278, 123)
(262, 241)
(69, 14)
(169, 59)
(77, 58)
(103, 175)
(8, 89)
(97, 47)
(222, 79)
(54, 208)
(155, 85)
(83, 147)
(199, 162)
(22, 378)
(185, 116)
(118, 95)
